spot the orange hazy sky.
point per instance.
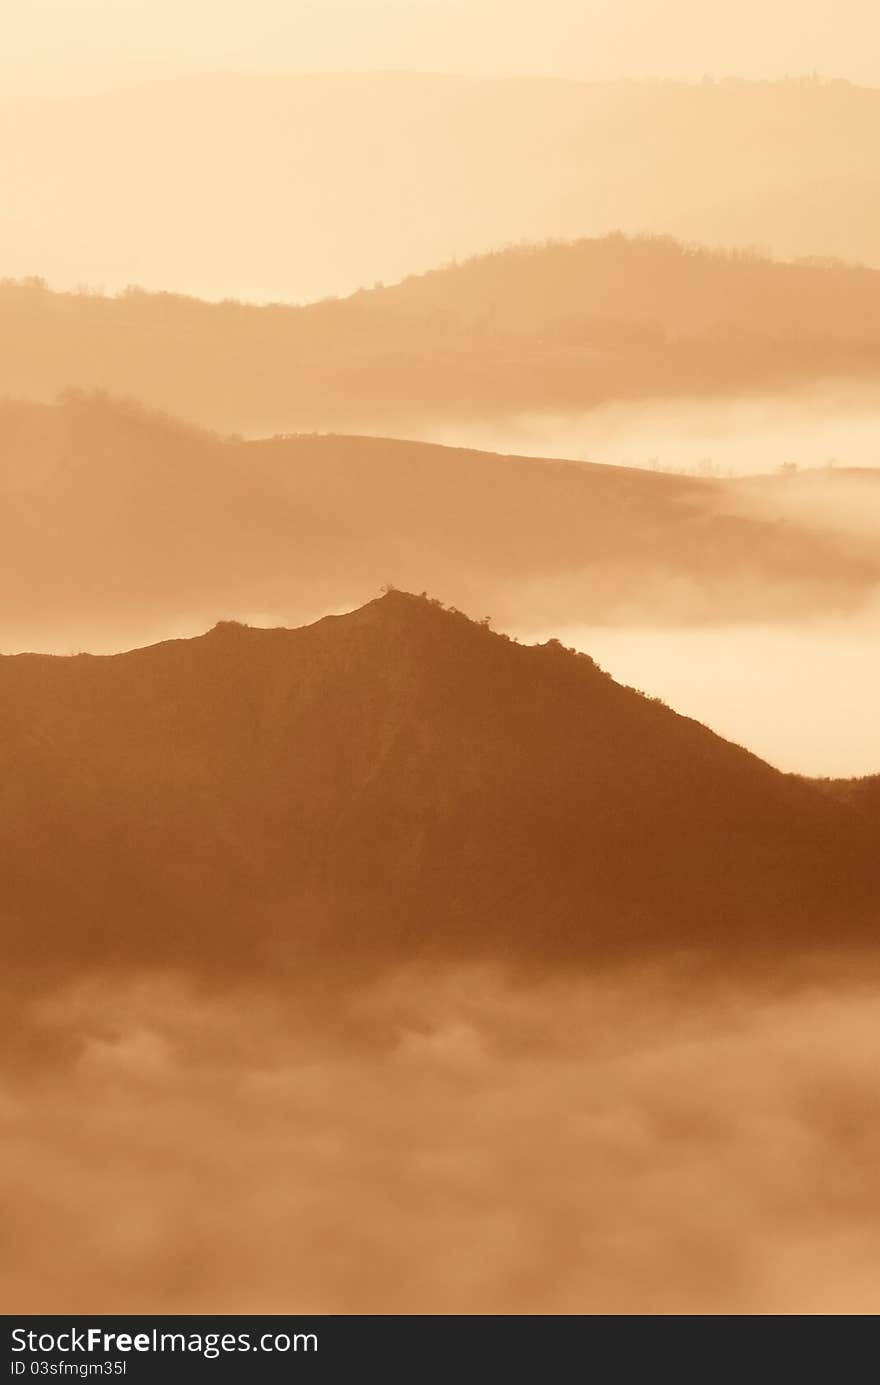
(62, 41)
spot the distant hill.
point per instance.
(392, 783)
(290, 187)
(555, 328)
(119, 527)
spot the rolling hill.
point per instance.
(553, 329)
(119, 527)
(398, 782)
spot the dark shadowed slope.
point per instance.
(554, 328)
(863, 793)
(395, 782)
(289, 187)
(119, 528)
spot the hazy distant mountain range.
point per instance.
(118, 526)
(554, 329)
(397, 779)
(292, 187)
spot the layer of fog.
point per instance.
(828, 425)
(802, 697)
(630, 1143)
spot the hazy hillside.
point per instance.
(396, 779)
(659, 288)
(555, 329)
(118, 527)
(292, 187)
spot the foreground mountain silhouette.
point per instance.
(390, 783)
(556, 328)
(118, 528)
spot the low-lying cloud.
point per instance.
(463, 1142)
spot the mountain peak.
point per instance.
(399, 777)
(395, 603)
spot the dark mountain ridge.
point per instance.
(394, 783)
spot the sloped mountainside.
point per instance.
(396, 782)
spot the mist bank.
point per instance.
(835, 424)
(645, 1140)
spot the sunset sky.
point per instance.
(66, 41)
